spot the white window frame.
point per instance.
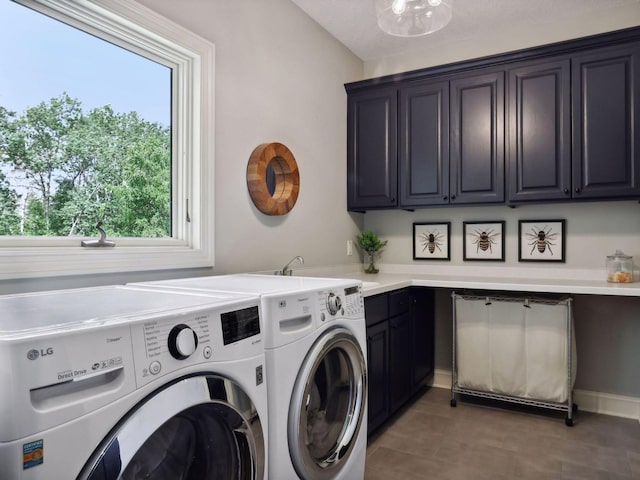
(135, 27)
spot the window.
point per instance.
(141, 163)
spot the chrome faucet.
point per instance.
(286, 270)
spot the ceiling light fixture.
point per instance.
(412, 18)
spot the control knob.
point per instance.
(183, 341)
(334, 304)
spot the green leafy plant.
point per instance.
(371, 245)
(369, 242)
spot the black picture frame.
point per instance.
(432, 241)
(541, 240)
(483, 241)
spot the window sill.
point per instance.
(58, 261)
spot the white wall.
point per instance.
(524, 34)
(279, 77)
(593, 230)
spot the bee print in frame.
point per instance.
(541, 240)
(431, 241)
(483, 240)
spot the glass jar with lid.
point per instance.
(619, 268)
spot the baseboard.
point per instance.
(442, 379)
(607, 404)
(596, 402)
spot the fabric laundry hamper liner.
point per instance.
(514, 346)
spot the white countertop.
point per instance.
(393, 277)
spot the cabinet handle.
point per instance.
(566, 190)
(445, 198)
(577, 189)
(393, 199)
(453, 197)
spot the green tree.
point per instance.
(143, 198)
(81, 168)
(9, 218)
(36, 147)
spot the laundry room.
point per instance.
(170, 142)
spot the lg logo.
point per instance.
(33, 354)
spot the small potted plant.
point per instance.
(371, 245)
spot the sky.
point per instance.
(40, 58)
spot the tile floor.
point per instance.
(431, 440)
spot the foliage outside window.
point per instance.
(78, 166)
(77, 169)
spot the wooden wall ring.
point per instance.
(287, 178)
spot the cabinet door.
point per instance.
(424, 144)
(378, 373)
(422, 334)
(372, 149)
(477, 139)
(606, 112)
(400, 360)
(540, 131)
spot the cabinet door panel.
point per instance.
(540, 131)
(606, 109)
(423, 334)
(376, 309)
(400, 360)
(378, 374)
(372, 149)
(477, 139)
(424, 144)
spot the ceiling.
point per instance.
(353, 22)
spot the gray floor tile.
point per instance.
(431, 440)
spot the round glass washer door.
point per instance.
(327, 406)
(198, 428)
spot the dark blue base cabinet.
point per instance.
(554, 123)
(400, 349)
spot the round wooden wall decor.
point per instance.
(273, 162)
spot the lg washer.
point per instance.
(130, 383)
(315, 346)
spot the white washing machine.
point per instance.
(130, 383)
(315, 346)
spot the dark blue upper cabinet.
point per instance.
(477, 139)
(539, 126)
(606, 116)
(553, 123)
(372, 149)
(424, 144)
(452, 141)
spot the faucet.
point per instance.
(286, 270)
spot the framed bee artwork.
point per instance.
(431, 241)
(483, 241)
(541, 241)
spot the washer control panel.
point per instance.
(341, 302)
(182, 341)
(169, 342)
(334, 303)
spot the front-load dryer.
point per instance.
(127, 383)
(315, 346)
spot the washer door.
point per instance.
(198, 428)
(327, 406)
